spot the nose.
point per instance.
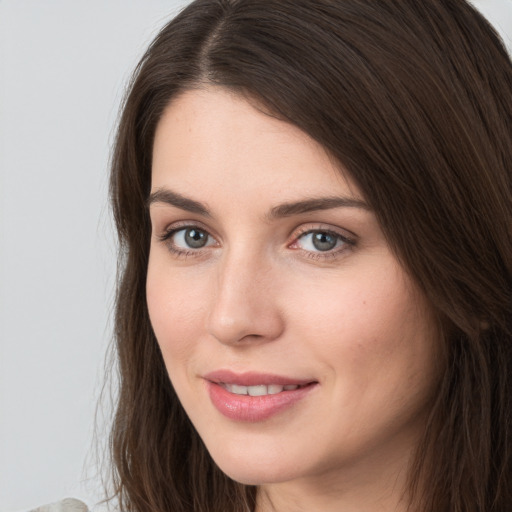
(245, 303)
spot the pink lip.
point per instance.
(254, 408)
(254, 378)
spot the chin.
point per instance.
(255, 470)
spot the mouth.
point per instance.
(254, 397)
(256, 383)
(260, 389)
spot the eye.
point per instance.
(184, 240)
(191, 238)
(322, 241)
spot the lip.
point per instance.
(254, 378)
(246, 408)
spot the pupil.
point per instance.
(195, 238)
(324, 241)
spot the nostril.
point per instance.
(244, 321)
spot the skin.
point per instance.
(260, 296)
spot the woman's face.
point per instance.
(267, 269)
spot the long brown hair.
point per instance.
(414, 98)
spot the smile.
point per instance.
(258, 390)
(254, 397)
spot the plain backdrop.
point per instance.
(63, 68)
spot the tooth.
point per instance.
(257, 390)
(238, 390)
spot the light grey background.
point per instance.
(63, 67)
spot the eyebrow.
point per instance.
(315, 204)
(174, 199)
(283, 210)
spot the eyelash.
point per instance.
(166, 238)
(347, 242)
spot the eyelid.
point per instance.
(165, 237)
(344, 234)
(348, 238)
(172, 227)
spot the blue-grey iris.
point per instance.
(195, 238)
(324, 241)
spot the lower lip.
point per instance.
(254, 408)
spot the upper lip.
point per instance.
(254, 378)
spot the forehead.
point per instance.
(219, 140)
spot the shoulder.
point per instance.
(66, 505)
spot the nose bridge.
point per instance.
(244, 306)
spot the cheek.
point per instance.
(176, 305)
(372, 325)
(353, 307)
(375, 337)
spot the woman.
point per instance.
(313, 313)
